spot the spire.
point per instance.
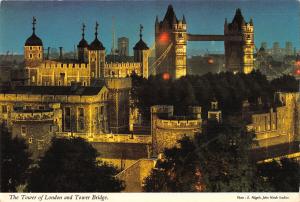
(113, 47)
(141, 45)
(156, 20)
(183, 19)
(251, 21)
(141, 30)
(96, 30)
(33, 40)
(238, 21)
(83, 43)
(170, 16)
(33, 24)
(96, 44)
(83, 28)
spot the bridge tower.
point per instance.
(170, 34)
(239, 54)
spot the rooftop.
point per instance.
(51, 90)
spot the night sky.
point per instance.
(59, 23)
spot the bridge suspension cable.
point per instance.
(159, 60)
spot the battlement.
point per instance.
(54, 64)
(122, 70)
(122, 65)
(162, 109)
(178, 124)
(32, 116)
(110, 138)
(287, 97)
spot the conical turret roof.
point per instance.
(238, 20)
(170, 16)
(33, 40)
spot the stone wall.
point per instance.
(135, 175)
(279, 125)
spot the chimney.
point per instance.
(60, 53)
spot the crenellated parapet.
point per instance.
(167, 129)
(32, 116)
(178, 124)
(122, 70)
(109, 138)
(280, 124)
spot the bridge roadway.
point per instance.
(200, 37)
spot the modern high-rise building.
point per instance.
(123, 46)
(288, 48)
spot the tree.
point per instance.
(283, 176)
(70, 165)
(216, 160)
(14, 161)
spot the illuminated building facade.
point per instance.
(89, 68)
(171, 38)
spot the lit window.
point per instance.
(23, 130)
(30, 140)
(33, 78)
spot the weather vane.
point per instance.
(83, 28)
(33, 24)
(141, 30)
(96, 33)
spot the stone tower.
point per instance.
(82, 48)
(239, 53)
(96, 57)
(141, 54)
(170, 44)
(33, 55)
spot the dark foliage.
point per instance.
(14, 161)
(70, 165)
(284, 176)
(216, 160)
(228, 88)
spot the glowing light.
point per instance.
(164, 37)
(298, 71)
(210, 61)
(298, 63)
(166, 76)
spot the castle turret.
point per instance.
(170, 45)
(239, 53)
(214, 113)
(82, 47)
(141, 54)
(33, 55)
(96, 57)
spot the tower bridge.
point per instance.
(238, 40)
(201, 37)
